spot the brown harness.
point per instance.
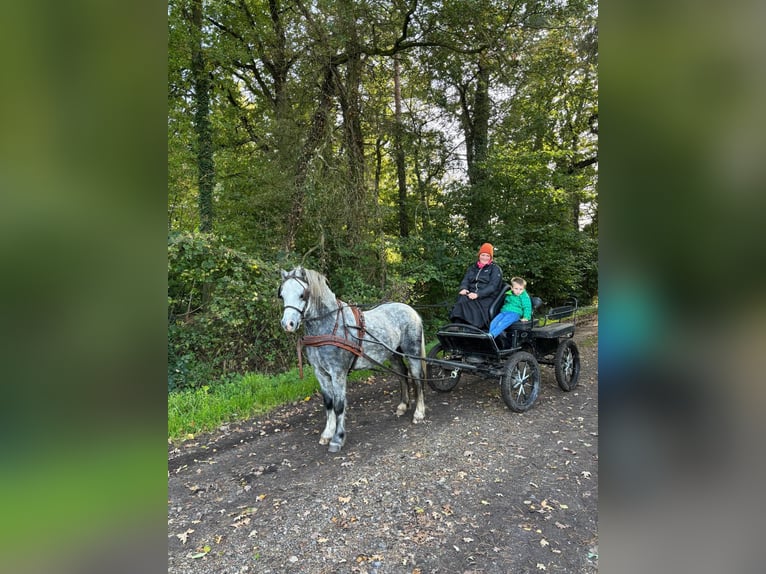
(343, 342)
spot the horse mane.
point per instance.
(318, 287)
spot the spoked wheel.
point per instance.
(567, 365)
(521, 381)
(442, 379)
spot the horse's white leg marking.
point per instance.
(329, 429)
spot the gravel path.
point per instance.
(476, 488)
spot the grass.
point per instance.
(206, 408)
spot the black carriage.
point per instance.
(514, 357)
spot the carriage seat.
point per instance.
(497, 304)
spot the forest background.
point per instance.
(379, 142)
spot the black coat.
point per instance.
(487, 283)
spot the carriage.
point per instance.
(514, 357)
(340, 338)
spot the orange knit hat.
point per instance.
(487, 248)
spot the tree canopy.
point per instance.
(388, 139)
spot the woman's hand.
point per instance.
(473, 295)
(463, 292)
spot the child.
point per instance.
(517, 305)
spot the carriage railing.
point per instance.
(556, 314)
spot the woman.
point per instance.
(478, 289)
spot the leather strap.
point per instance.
(332, 339)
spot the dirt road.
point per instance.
(476, 488)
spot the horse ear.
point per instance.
(284, 274)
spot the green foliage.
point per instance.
(303, 165)
(223, 315)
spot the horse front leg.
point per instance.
(329, 429)
(325, 383)
(339, 410)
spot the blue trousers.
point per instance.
(501, 321)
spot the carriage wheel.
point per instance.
(520, 383)
(440, 378)
(567, 365)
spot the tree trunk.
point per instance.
(480, 124)
(476, 127)
(202, 127)
(354, 142)
(314, 138)
(401, 174)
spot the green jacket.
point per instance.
(521, 304)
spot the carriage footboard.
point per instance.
(554, 331)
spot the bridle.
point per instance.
(303, 295)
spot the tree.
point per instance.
(205, 166)
(372, 130)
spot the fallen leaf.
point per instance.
(540, 566)
(585, 473)
(344, 498)
(544, 543)
(184, 535)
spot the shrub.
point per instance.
(223, 315)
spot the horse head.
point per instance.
(295, 295)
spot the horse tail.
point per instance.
(423, 371)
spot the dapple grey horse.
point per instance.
(339, 340)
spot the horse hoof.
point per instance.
(323, 440)
(400, 410)
(334, 447)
